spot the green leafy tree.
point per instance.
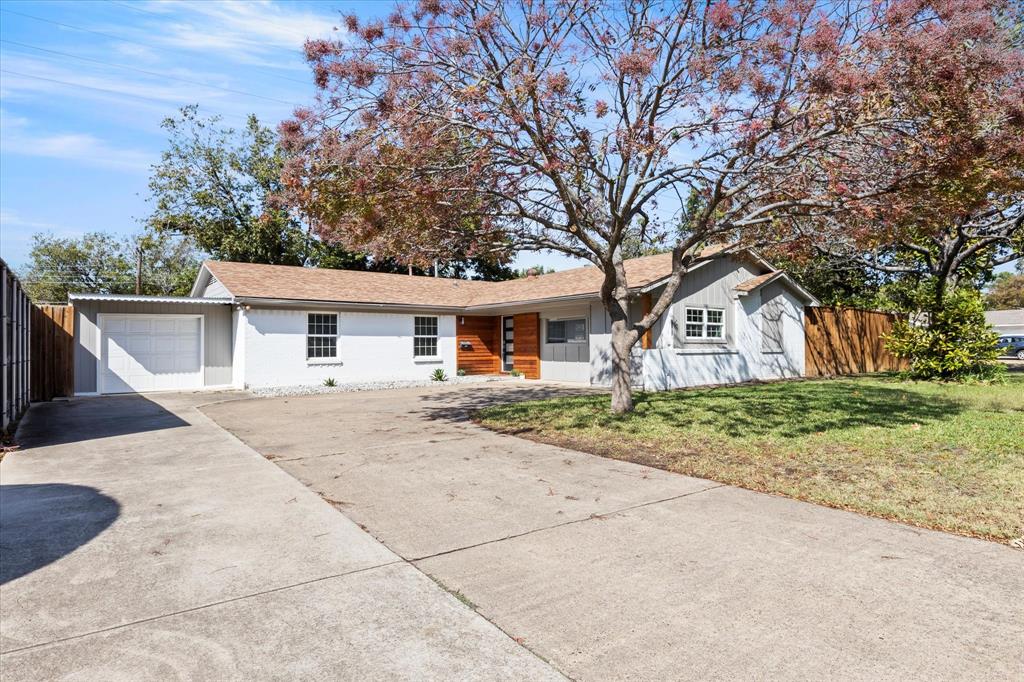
(220, 187)
(99, 262)
(1007, 292)
(95, 262)
(169, 263)
(955, 345)
(533, 270)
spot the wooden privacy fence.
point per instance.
(14, 348)
(848, 341)
(53, 351)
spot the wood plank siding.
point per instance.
(478, 344)
(847, 341)
(53, 351)
(527, 344)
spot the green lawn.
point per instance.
(943, 456)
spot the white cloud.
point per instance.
(18, 137)
(12, 219)
(246, 31)
(30, 79)
(27, 74)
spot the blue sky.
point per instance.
(85, 84)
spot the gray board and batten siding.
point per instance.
(216, 336)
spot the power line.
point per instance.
(108, 91)
(127, 40)
(163, 15)
(150, 73)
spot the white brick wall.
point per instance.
(371, 347)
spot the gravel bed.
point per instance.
(278, 391)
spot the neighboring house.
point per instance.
(1006, 322)
(734, 318)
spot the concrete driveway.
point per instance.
(611, 570)
(138, 541)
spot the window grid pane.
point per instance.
(714, 331)
(424, 342)
(424, 346)
(576, 330)
(715, 316)
(695, 330)
(694, 315)
(322, 335)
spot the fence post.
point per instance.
(15, 327)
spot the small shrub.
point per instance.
(460, 372)
(438, 375)
(516, 373)
(957, 344)
(329, 382)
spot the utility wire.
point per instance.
(127, 40)
(109, 91)
(150, 73)
(163, 15)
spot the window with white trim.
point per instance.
(321, 336)
(567, 331)
(424, 339)
(705, 324)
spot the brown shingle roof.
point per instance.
(248, 280)
(754, 282)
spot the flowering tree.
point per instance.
(579, 126)
(962, 213)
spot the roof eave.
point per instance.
(782, 275)
(483, 307)
(133, 298)
(359, 305)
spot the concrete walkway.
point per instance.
(140, 541)
(616, 571)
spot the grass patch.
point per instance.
(944, 456)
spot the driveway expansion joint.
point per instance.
(590, 517)
(200, 607)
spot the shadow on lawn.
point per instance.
(787, 409)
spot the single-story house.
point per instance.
(1006, 322)
(735, 318)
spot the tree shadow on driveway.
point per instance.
(42, 523)
(460, 405)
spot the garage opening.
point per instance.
(150, 353)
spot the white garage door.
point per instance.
(150, 353)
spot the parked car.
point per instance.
(1011, 345)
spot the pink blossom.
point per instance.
(398, 20)
(824, 38)
(722, 16)
(372, 32)
(636, 64)
(600, 108)
(430, 8)
(558, 83)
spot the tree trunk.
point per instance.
(622, 385)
